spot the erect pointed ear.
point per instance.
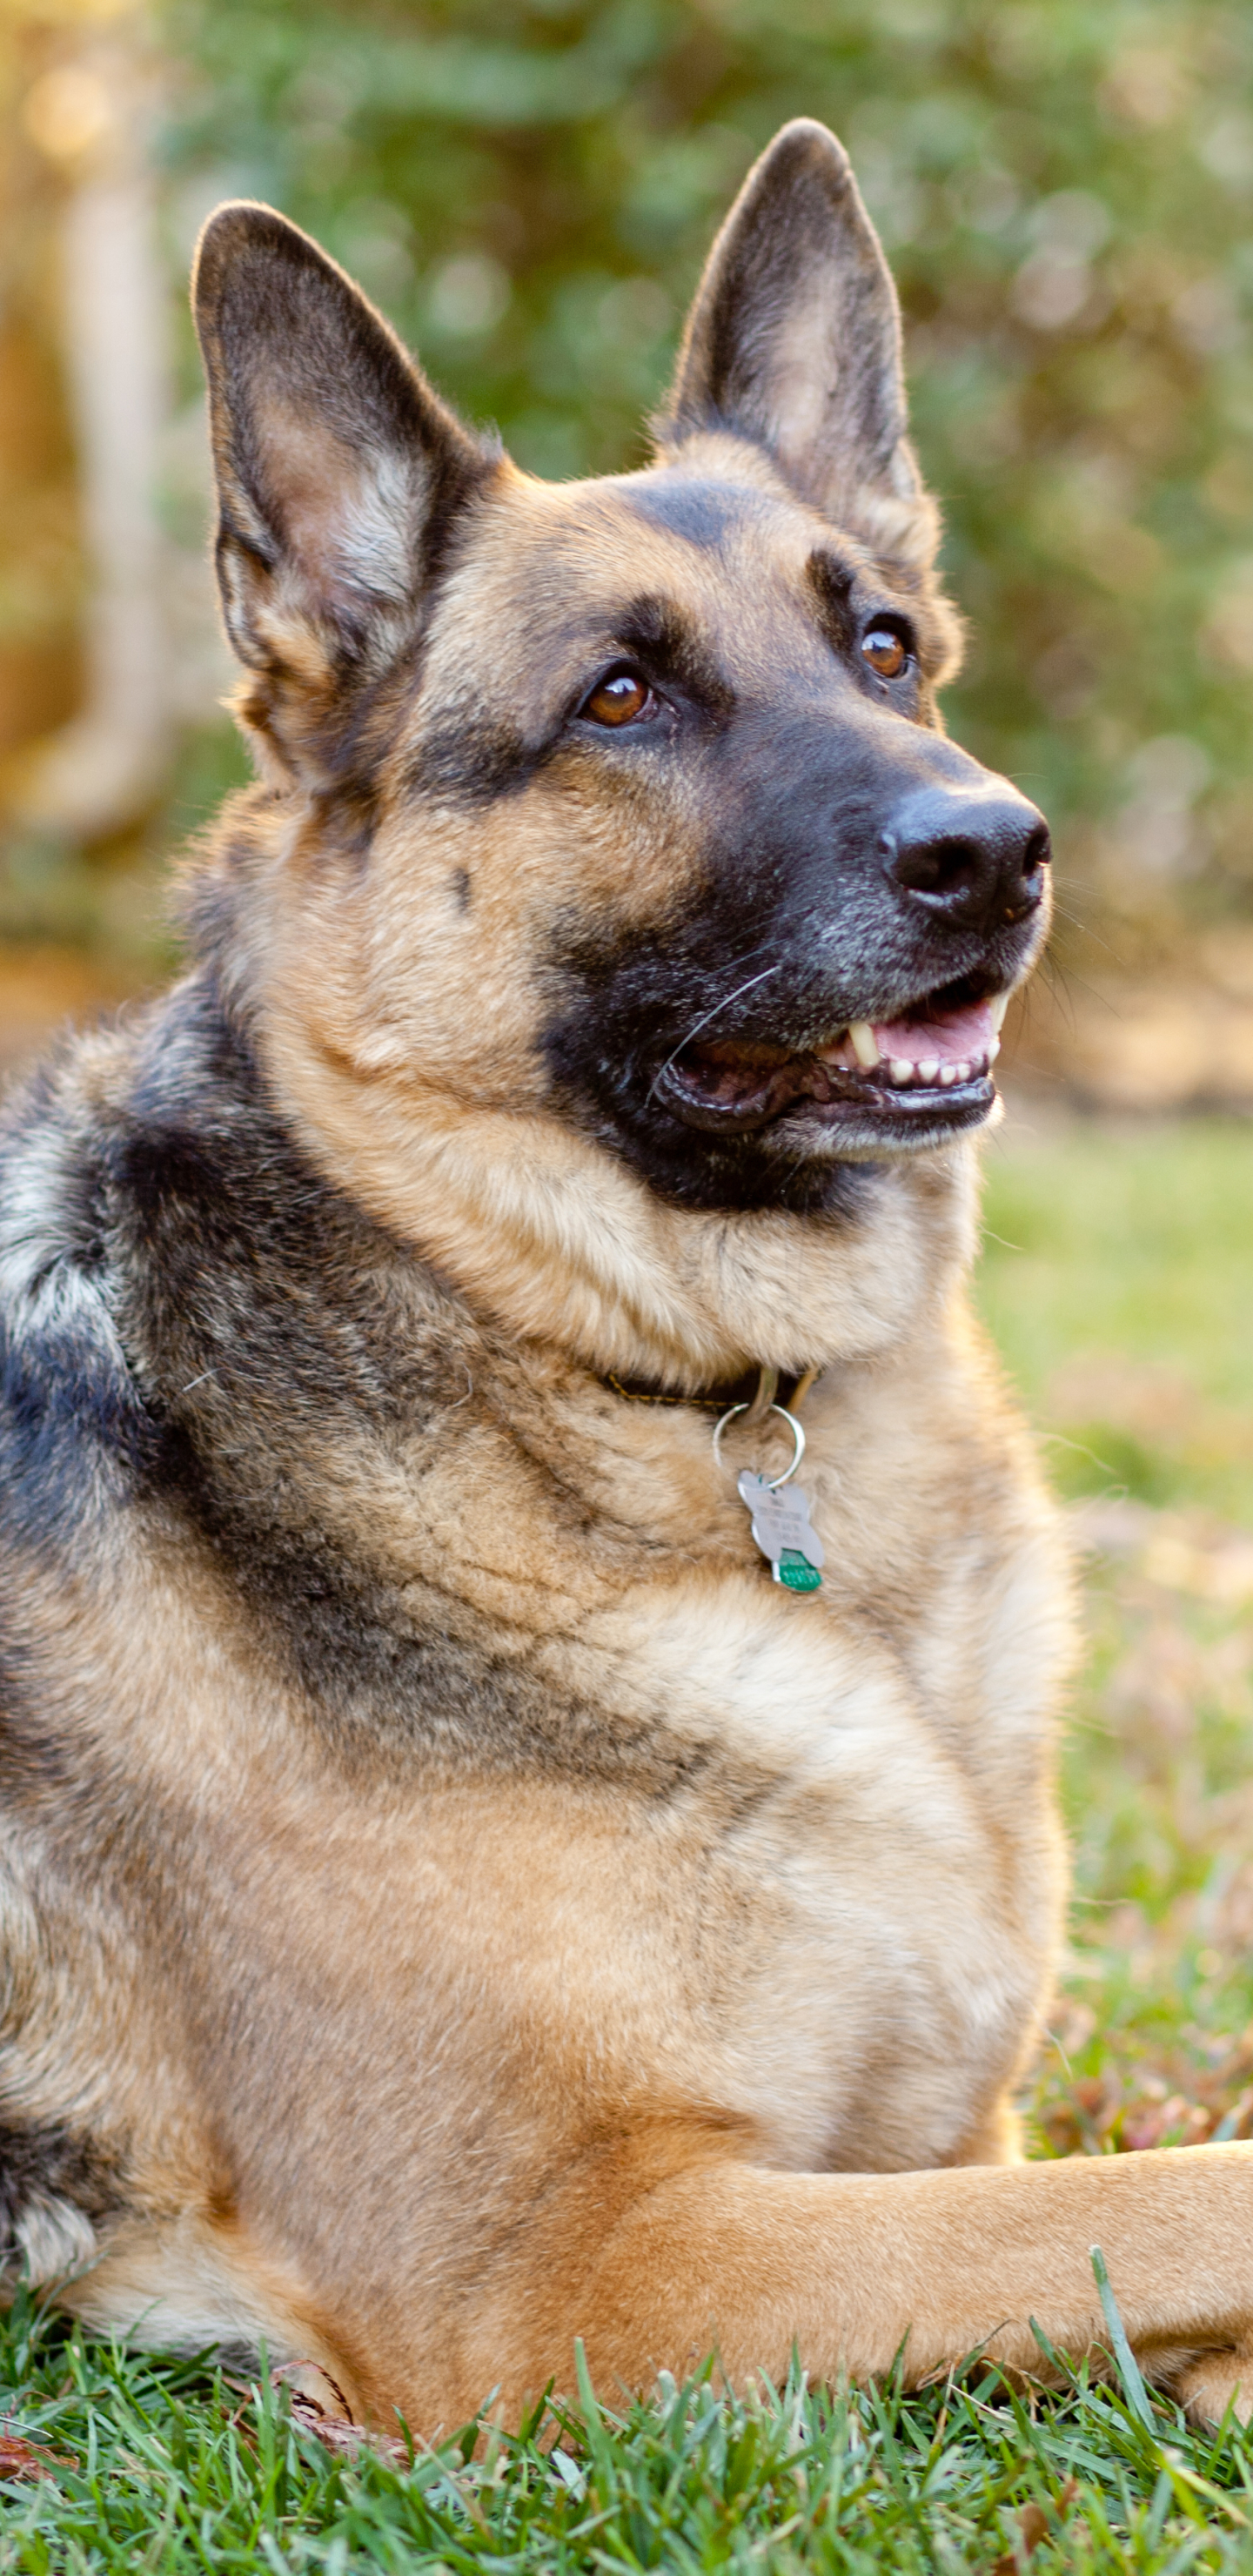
(338, 469)
(794, 341)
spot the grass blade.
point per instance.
(1127, 2366)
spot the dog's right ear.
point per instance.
(339, 471)
(794, 342)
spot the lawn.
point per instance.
(1116, 1279)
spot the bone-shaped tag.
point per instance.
(783, 1531)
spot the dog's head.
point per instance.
(624, 802)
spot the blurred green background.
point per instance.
(1065, 188)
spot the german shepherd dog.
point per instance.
(454, 1900)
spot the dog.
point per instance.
(462, 1891)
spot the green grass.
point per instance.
(170, 2466)
(1121, 1312)
(1118, 1277)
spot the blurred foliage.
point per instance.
(1115, 1279)
(1065, 188)
(41, 571)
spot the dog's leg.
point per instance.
(851, 2267)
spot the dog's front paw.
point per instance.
(1216, 2380)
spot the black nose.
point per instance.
(975, 860)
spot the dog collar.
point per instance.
(756, 1389)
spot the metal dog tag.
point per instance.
(782, 1529)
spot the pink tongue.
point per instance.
(954, 1038)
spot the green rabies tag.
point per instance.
(795, 1570)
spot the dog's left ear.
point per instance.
(794, 341)
(339, 472)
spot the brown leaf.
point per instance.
(1033, 2523)
(19, 2458)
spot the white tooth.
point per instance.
(900, 1068)
(961, 1070)
(948, 1074)
(994, 1050)
(861, 1038)
(998, 1009)
(929, 1069)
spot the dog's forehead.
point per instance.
(552, 570)
(714, 514)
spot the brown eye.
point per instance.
(620, 698)
(885, 652)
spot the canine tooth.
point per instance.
(900, 1068)
(861, 1039)
(998, 1008)
(929, 1069)
(994, 1050)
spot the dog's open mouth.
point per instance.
(930, 1065)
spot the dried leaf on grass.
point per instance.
(21, 2459)
(1034, 2525)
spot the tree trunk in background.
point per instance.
(89, 115)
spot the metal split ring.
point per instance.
(796, 1428)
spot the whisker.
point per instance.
(694, 1032)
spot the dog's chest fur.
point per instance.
(469, 1737)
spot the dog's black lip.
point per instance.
(951, 1105)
